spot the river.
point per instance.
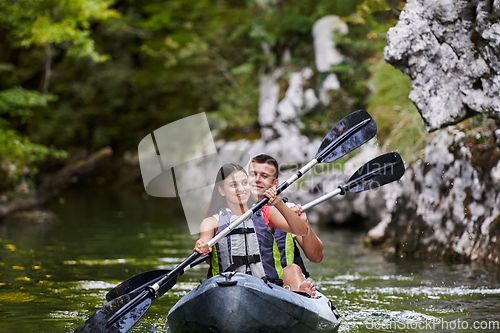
(53, 277)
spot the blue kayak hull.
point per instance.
(243, 303)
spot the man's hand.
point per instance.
(310, 243)
(297, 209)
(271, 194)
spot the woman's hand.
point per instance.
(202, 247)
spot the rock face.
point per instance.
(280, 126)
(451, 51)
(448, 202)
(325, 52)
(281, 137)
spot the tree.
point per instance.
(32, 35)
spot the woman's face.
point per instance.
(236, 188)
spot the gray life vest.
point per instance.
(251, 245)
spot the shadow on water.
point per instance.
(53, 277)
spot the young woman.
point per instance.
(250, 248)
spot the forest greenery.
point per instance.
(78, 75)
(399, 124)
(27, 28)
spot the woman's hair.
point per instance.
(218, 201)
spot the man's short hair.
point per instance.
(266, 159)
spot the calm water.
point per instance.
(52, 278)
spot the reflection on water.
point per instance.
(52, 278)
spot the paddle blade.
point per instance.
(382, 170)
(99, 321)
(347, 135)
(139, 282)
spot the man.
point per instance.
(310, 244)
(262, 175)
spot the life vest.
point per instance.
(289, 252)
(250, 245)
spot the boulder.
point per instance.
(451, 51)
(447, 204)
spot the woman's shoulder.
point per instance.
(209, 223)
(211, 220)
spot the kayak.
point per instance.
(236, 302)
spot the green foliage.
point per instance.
(378, 14)
(28, 31)
(286, 25)
(399, 125)
(360, 47)
(231, 102)
(165, 60)
(17, 102)
(18, 155)
(38, 23)
(171, 59)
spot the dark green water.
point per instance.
(52, 278)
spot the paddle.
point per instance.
(142, 280)
(379, 171)
(120, 314)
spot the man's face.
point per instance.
(261, 177)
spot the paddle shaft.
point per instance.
(349, 185)
(261, 203)
(153, 289)
(186, 264)
(319, 158)
(354, 181)
(348, 134)
(332, 146)
(319, 200)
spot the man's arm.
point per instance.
(310, 243)
(283, 218)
